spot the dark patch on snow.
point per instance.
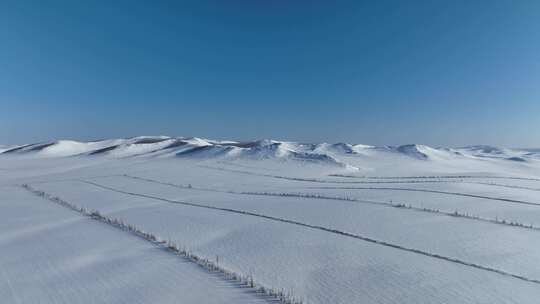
(149, 140)
(17, 149)
(517, 159)
(314, 157)
(103, 150)
(248, 144)
(343, 148)
(205, 151)
(176, 144)
(41, 147)
(412, 150)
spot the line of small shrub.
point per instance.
(456, 213)
(246, 280)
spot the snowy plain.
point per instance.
(329, 223)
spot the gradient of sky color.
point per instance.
(447, 73)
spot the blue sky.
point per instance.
(447, 73)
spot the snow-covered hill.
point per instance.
(329, 223)
(341, 155)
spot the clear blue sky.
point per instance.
(446, 73)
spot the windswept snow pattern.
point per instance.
(292, 222)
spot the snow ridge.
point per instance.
(199, 148)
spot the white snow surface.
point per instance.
(332, 223)
(49, 254)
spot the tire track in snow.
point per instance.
(325, 229)
(400, 206)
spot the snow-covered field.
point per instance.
(328, 223)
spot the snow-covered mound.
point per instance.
(162, 146)
(423, 152)
(341, 155)
(70, 147)
(116, 147)
(287, 150)
(532, 153)
(483, 150)
(206, 151)
(26, 148)
(489, 152)
(416, 151)
(5, 148)
(516, 158)
(341, 148)
(260, 150)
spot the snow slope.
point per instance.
(4, 148)
(322, 267)
(331, 223)
(49, 254)
(261, 148)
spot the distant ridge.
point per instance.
(199, 148)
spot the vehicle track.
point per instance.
(322, 228)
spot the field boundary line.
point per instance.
(326, 229)
(170, 246)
